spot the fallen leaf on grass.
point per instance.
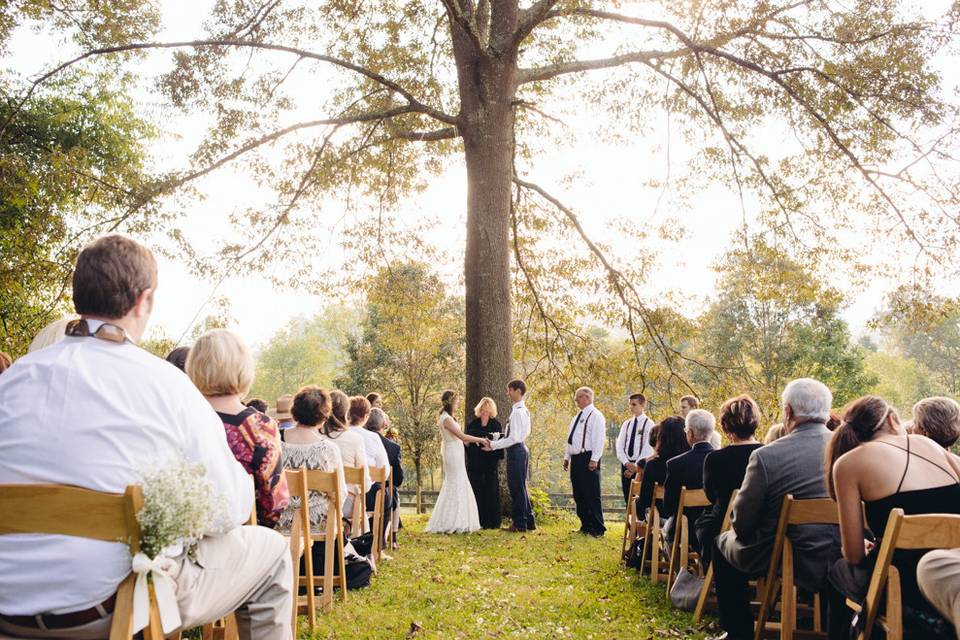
(415, 628)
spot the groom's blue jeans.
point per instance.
(522, 511)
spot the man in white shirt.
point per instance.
(585, 442)
(95, 411)
(518, 457)
(376, 454)
(633, 446)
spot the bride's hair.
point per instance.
(447, 401)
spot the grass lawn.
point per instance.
(549, 583)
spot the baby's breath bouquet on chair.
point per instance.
(180, 505)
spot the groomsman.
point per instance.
(582, 458)
(633, 445)
(518, 457)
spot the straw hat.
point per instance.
(284, 405)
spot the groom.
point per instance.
(518, 428)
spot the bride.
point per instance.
(456, 508)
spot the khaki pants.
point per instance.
(939, 576)
(246, 570)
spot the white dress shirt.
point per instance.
(96, 414)
(376, 452)
(641, 425)
(589, 433)
(518, 427)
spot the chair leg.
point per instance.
(894, 612)
(341, 559)
(704, 594)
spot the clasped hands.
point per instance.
(486, 445)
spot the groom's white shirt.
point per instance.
(519, 427)
(596, 433)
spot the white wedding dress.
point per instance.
(456, 508)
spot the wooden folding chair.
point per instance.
(388, 534)
(651, 544)
(301, 482)
(378, 474)
(226, 628)
(57, 509)
(792, 513)
(631, 524)
(680, 554)
(708, 576)
(934, 531)
(357, 476)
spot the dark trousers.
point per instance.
(586, 493)
(522, 509)
(485, 481)
(371, 502)
(733, 597)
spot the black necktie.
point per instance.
(633, 439)
(574, 428)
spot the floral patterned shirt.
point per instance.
(254, 439)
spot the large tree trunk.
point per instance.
(487, 83)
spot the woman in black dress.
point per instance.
(723, 469)
(671, 442)
(482, 466)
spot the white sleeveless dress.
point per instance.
(456, 508)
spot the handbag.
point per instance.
(686, 590)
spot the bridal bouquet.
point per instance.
(180, 505)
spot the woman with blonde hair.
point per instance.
(483, 466)
(221, 367)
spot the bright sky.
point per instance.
(608, 187)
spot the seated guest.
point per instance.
(793, 464)
(671, 442)
(258, 404)
(865, 457)
(117, 410)
(178, 357)
(5, 361)
(221, 367)
(938, 419)
(483, 466)
(282, 415)
(686, 470)
(834, 421)
(939, 577)
(305, 449)
(51, 334)
(353, 453)
(775, 433)
(375, 424)
(723, 470)
(377, 458)
(375, 400)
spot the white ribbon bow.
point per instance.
(164, 587)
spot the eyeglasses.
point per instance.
(106, 331)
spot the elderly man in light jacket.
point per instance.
(791, 465)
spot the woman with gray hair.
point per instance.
(937, 418)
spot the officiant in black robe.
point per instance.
(483, 466)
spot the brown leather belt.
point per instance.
(63, 620)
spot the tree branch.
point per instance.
(526, 76)
(417, 105)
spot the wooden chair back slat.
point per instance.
(72, 511)
(813, 511)
(378, 474)
(354, 475)
(695, 498)
(57, 509)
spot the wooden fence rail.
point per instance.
(612, 502)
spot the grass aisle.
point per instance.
(549, 583)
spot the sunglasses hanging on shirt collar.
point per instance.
(106, 331)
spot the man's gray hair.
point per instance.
(586, 391)
(701, 424)
(809, 399)
(376, 420)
